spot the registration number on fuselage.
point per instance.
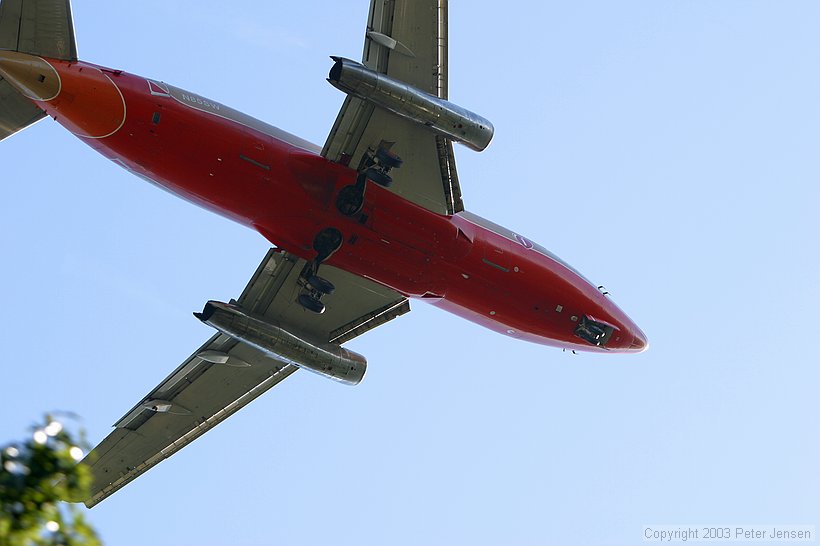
(199, 101)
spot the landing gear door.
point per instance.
(594, 332)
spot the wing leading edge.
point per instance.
(224, 375)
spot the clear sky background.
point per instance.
(667, 149)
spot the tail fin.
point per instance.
(36, 27)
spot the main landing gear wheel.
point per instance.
(388, 159)
(321, 285)
(311, 303)
(327, 241)
(379, 177)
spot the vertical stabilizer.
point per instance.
(37, 27)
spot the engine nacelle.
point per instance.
(327, 359)
(438, 115)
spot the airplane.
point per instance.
(359, 226)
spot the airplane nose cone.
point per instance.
(30, 75)
(628, 338)
(639, 342)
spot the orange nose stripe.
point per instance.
(89, 104)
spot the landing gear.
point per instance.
(380, 164)
(379, 177)
(328, 241)
(311, 303)
(593, 332)
(350, 199)
(321, 285)
(388, 159)
(376, 167)
(315, 287)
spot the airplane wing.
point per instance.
(225, 375)
(407, 40)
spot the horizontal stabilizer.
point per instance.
(16, 111)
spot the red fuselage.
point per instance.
(280, 186)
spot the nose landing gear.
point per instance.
(594, 332)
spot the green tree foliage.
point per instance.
(34, 476)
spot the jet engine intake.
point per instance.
(438, 115)
(326, 359)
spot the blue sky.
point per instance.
(666, 149)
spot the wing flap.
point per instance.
(369, 321)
